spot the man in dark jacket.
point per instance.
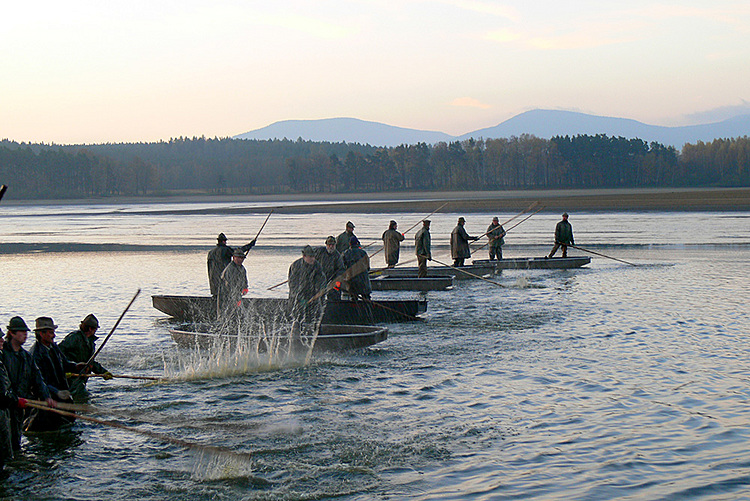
(343, 240)
(460, 243)
(25, 379)
(233, 286)
(53, 365)
(495, 233)
(423, 248)
(306, 280)
(78, 346)
(392, 239)
(332, 264)
(218, 259)
(563, 236)
(359, 284)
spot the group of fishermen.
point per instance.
(48, 372)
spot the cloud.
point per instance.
(470, 102)
(718, 114)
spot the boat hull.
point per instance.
(537, 263)
(472, 271)
(329, 338)
(411, 283)
(203, 309)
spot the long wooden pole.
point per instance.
(121, 376)
(470, 274)
(3, 189)
(110, 332)
(511, 219)
(506, 231)
(599, 254)
(412, 227)
(151, 434)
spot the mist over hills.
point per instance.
(541, 123)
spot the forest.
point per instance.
(234, 166)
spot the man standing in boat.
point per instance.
(495, 233)
(392, 239)
(563, 236)
(306, 280)
(423, 248)
(26, 380)
(359, 284)
(345, 238)
(460, 243)
(218, 259)
(232, 286)
(78, 346)
(332, 264)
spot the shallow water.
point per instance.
(612, 381)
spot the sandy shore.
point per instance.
(685, 199)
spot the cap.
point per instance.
(90, 321)
(461, 220)
(354, 242)
(426, 221)
(308, 251)
(238, 253)
(17, 324)
(349, 224)
(222, 237)
(495, 218)
(565, 214)
(330, 240)
(44, 323)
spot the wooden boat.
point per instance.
(473, 270)
(203, 308)
(413, 283)
(537, 263)
(329, 338)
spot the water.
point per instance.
(612, 381)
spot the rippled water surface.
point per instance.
(611, 381)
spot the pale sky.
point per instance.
(100, 71)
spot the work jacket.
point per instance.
(460, 243)
(423, 243)
(392, 244)
(564, 233)
(25, 378)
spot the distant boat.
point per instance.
(472, 271)
(203, 309)
(329, 338)
(536, 263)
(412, 283)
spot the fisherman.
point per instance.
(233, 285)
(8, 404)
(423, 248)
(563, 236)
(78, 346)
(218, 259)
(53, 365)
(306, 280)
(26, 380)
(344, 239)
(495, 233)
(392, 239)
(359, 284)
(332, 264)
(460, 243)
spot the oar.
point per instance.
(598, 254)
(506, 231)
(152, 434)
(110, 333)
(470, 274)
(412, 227)
(122, 376)
(262, 226)
(511, 219)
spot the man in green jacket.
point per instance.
(78, 346)
(423, 248)
(563, 236)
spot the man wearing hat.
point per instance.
(78, 346)
(218, 259)
(423, 248)
(25, 379)
(460, 243)
(392, 239)
(359, 284)
(53, 365)
(563, 236)
(306, 280)
(332, 264)
(344, 239)
(233, 284)
(495, 233)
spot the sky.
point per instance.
(78, 72)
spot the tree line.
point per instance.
(229, 166)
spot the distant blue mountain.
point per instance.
(540, 123)
(350, 130)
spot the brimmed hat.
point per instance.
(353, 242)
(565, 214)
(222, 237)
(17, 324)
(495, 218)
(308, 251)
(426, 221)
(331, 240)
(349, 223)
(90, 321)
(238, 253)
(44, 323)
(461, 220)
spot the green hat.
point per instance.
(239, 253)
(330, 240)
(90, 321)
(44, 323)
(308, 251)
(17, 324)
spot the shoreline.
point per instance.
(598, 200)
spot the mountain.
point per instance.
(350, 130)
(549, 123)
(541, 123)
